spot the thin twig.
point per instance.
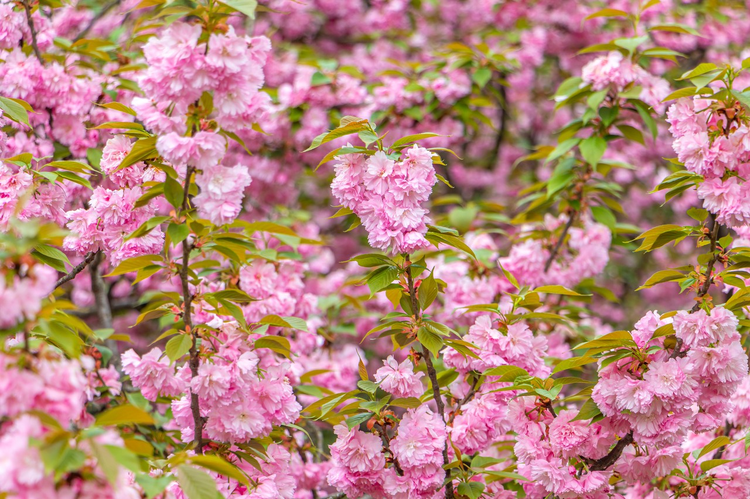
(77, 269)
(187, 299)
(432, 374)
(715, 231)
(559, 243)
(32, 29)
(106, 8)
(472, 391)
(502, 116)
(387, 445)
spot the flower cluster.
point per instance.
(399, 380)
(358, 464)
(657, 399)
(180, 70)
(616, 72)
(387, 195)
(238, 400)
(544, 445)
(716, 147)
(110, 218)
(22, 291)
(586, 255)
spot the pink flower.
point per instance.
(399, 379)
(567, 437)
(359, 452)
(152, 374)
(222, 190)
(692, 328)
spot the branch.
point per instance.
(77, 269)
(502, 116)
(611, 458)
(715, 234)
(106, 8)
(472, 391)
(387, 446)
(103, 308)
(32, 29)
(432, 374)
(560, 241)
(187, 299)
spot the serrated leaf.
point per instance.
(506, 373)
(133, 264)
(196, 484)
(14, 111)
(278, 344)
(713, 445)
(123, 415)
(221, 466)
(178, 346)
(430, 341)
(557, 290)
(588, 411)
(592, 149)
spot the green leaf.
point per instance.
(125, 457)
(119, 107)
(481, 76)
(14, 111)
(371, 260)
(427, 292)
(562, 148)
(247, 7)
(239, 296)
(604, 216)
(630, 44)
(123, 415)
(607, 13)
(506, 373)
(73, 166)
(142, 149)
(713, 445)
(147, 227)
(675, 28)
(557, 290)
(178, 232)
(153, 486)
(472, 490)
(174, 192)
(562, 176)
(588, 411)
(51, 252)
(632, 134)
(349, 125)
(657, 237)
(278, 344)
(592, 149)
(406, 403)
(381, 278)
(221, 466)
(106, 461)
(662, 276)
(413, 138)
(178, 346)
(133, 264)
(196, 484)
(573, 363)
(358, 419)
(430, 341)
(713, 463)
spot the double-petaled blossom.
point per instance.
(387, 195)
